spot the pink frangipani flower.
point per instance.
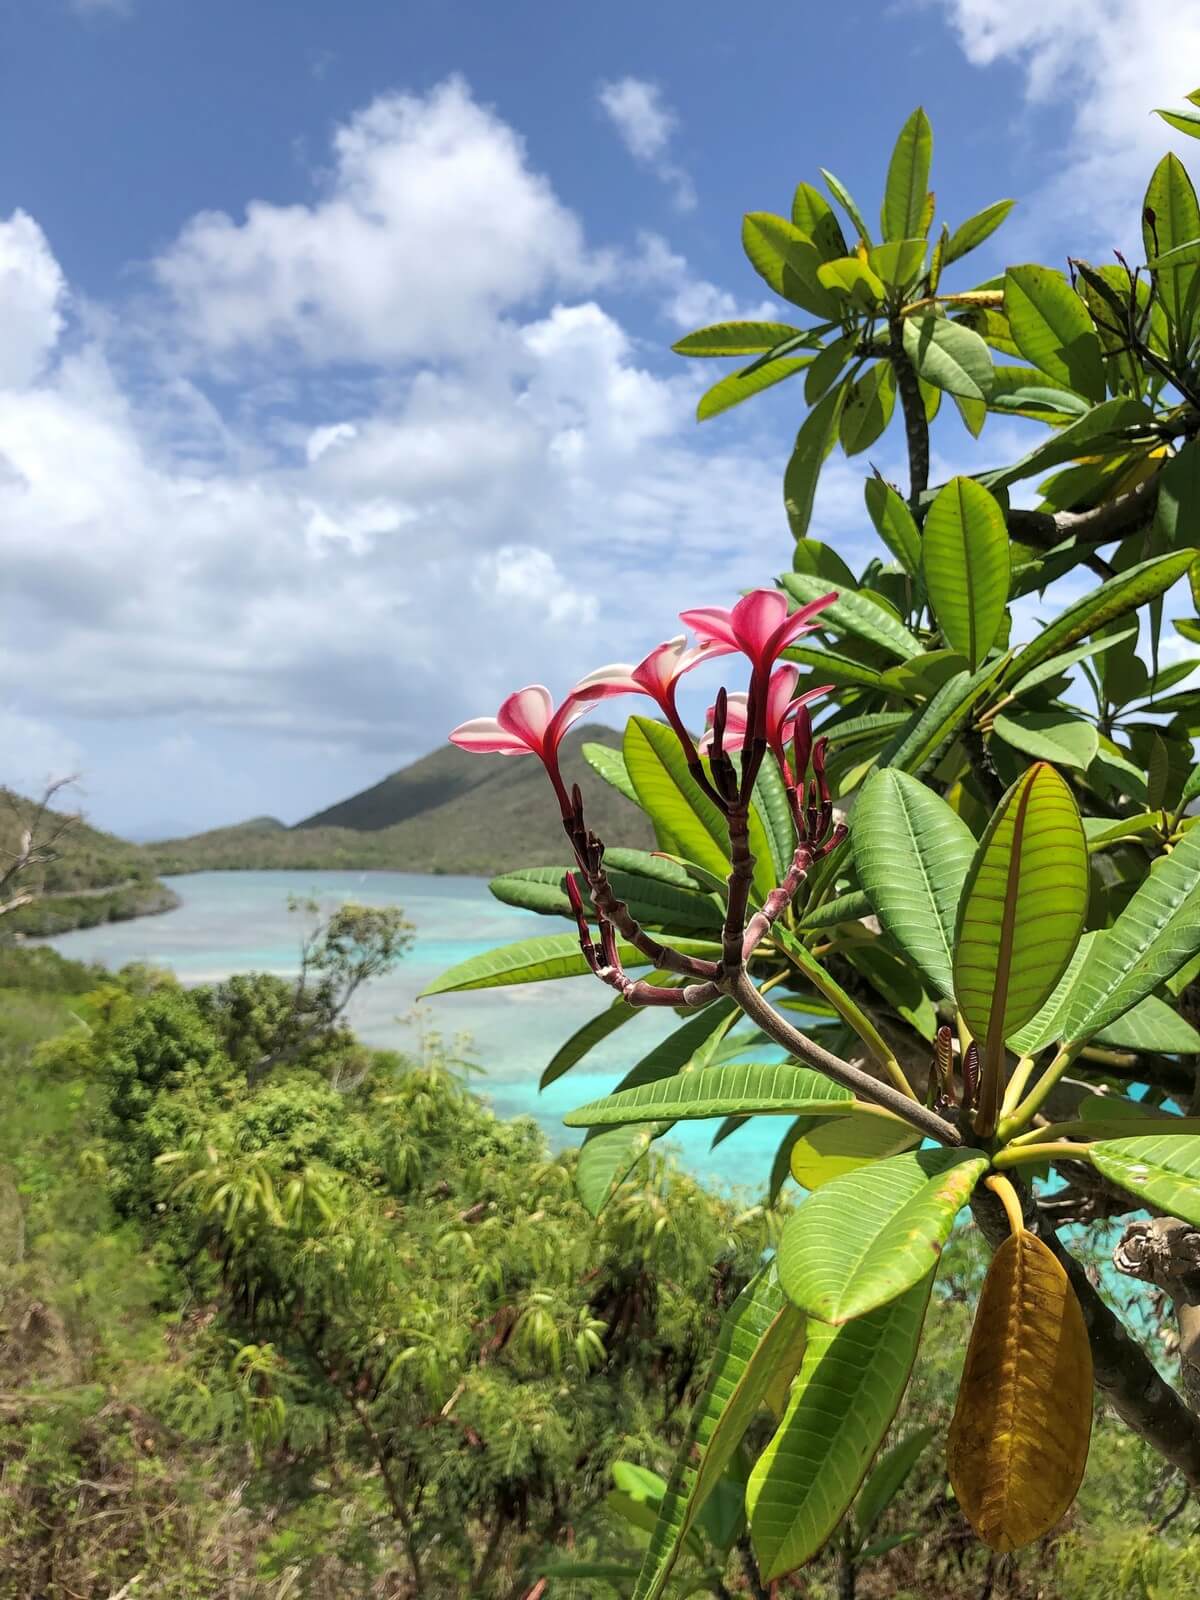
(759, 626)
(527, 724)
(784, 711)
(656, 675)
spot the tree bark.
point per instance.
(1166, 1252)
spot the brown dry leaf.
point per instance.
(1019, 1440)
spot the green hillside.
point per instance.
(449, 812)
(94, 877)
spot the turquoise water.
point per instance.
(239, 922)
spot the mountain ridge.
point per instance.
(449, 812)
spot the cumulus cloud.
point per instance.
(1110, 62)
(689, 301)
(32, 295)
(646, 126)
(392, 525)
(431, 225)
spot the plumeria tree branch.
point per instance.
(769, 718)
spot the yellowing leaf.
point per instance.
(1019, 1440)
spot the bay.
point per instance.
(231, 922)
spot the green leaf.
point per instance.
(1107, 429)
(787, 261)
(888, 1478)
(931, 727)
(1052, 328)
(737, 338)
(827, 1149)
(688, 1046)
(966, 565)
(639, 1483)
(1163, 1170)
(813, 215)
(949, 356)
(844, 198)
(851, 278)
(772, 806)
(822, 561)
(842, 1402)
(867, 1237)
(908, 179)
(761, 1334)
(1186, 121)
(1028, 392)
(1101, 831)
(813, 443)
(670, 796)
(912, 853)
(1151, 1025)
(739, 1089)
(834, 668)
(1171, 201)
(1158, 931)
(1059, 664)
(607, 1160)
(555, 955)
(1045, 1027)
(1021, 914)
(649, 899)
(867, 409)
(825, 984)
(854, 614)
(891, 1541)
(739, 386)
(612, 1572)
(1190, 789)
(828, 367)
(610, 764)
(894, 523)
(585, 1039)
(921, 678)
(898, 263)
(975, 230)
(845, 908)
(1116, 598)
(1050, 736)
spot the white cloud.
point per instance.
(1111, 62)
(688, 301)
(346, 562)
(647, 125)
(32, 292)
(523, 576)
(431, 225)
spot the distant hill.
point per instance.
(449, 812)
(94, 878)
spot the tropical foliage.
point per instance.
(963, 906)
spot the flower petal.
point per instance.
(801, 622)
(755, 619)
(713, 626)
(485, 736)
(526, 714)
(616, 678)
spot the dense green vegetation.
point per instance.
(283, 1338)
(444, 813)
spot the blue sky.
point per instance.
(335, 389)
